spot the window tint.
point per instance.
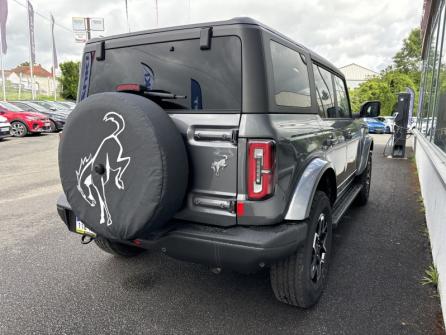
(324, 91)
(343, 108)
(291, 84)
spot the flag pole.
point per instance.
(127, 15)
(156, 8)
(54, 57)
(31, 58)
(3, 69)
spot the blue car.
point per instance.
(375, 126)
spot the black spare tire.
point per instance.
(123, 165)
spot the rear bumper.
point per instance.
(243, 249)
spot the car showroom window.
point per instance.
(343, 107)
(324, 91)
(291, 83)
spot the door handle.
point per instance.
(329, 142)
(348, 134)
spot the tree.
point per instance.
(69, 79)
(24, 64)
(384, 88)
(408, 59)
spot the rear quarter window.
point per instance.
(210, 79)
(291, 83)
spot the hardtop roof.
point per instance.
(233, 21)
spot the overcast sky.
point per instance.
(343, 31)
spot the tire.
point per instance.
(296, 280)
(123, 165)
(117, 249)
(364, 179)
(18, 129)
(53, 127)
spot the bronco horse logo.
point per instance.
(93, 176)
(219, 165)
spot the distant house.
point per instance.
(356, 74)
(20, 76)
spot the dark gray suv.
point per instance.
(223, 143)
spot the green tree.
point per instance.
(69, 79)
(408, 59)
(384, 88)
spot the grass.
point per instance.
(431, 276)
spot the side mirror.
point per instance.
(370, 109)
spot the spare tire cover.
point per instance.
(123, 165)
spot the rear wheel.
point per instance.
(18, 129)
(116, 248)
(53, 127)
(299, 280)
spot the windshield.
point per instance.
(37, 107)
(10, 107)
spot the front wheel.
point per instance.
(365, 179)
(116, 248)
(18, 129)
(299, 279)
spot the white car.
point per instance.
(5, 128)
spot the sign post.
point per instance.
(83, 26)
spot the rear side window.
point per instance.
(210, 79)
(343, 109)
(291, 84)
(324, 92)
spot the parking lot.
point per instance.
(50, 283)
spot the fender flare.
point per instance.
(300, 205)
(366, 148)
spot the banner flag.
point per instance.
(55, 64)
(32, 44)
(3, 18)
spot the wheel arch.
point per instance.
(318, 175)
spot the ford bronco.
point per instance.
(224, 143)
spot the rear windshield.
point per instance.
(210, 79)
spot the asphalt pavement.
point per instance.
(51, 284)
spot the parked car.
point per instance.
(23, 122)
(5, 128)
(53, 106)
(242, 167)
(375, 126)
(67, 104)
(389, 122)
(57, 118)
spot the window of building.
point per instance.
(430, 82)
(439, 115)
(291, 84)
(324, 90)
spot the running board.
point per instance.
(344, 203)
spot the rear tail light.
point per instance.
(261, 166)
(130, 87)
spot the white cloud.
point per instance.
(343, 31)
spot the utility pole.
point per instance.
(156, 9)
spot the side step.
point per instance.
(344, 203)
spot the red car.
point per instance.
(22, 122)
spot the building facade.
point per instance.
(20, 76)
(356, 74)
(430, 135)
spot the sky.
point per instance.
(368, 32)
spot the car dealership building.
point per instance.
(430, 136)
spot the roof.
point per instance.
(357, 72)
(38, 71)
(234, 21)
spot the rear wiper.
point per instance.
(151, 93)
(163, 94)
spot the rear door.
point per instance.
(207, 114)
(352, 128)
(333, 125)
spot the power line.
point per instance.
(43, 16)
